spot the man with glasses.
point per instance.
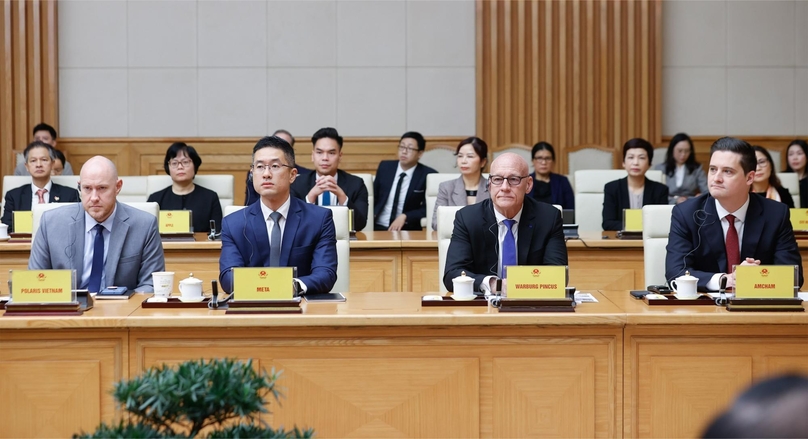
(106, 242)
(280, 230)
(39, 159)
(400, 187)
(250, 196)
(507, 229)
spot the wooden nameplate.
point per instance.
(672, 300)
(175, 302)
(766, 305)
(43, 309)
(537, 305)
(177, 237)
(291, 306)
(450, 301)
(19, 237)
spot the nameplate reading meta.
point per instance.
(41, 286)
(23, 221)
(266, 283)
(764, 281)
(799, 219)
(537, 282)
(175, 221)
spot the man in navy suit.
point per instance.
(280, 230)
(328, 185)
(729, 226)
(39, 158)
(482, 231)
(402, 183)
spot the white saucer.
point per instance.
(191, 299)
(156, 299)
(464, 298)
(678, 296)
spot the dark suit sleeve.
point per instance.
(414, 216)
(460, 256)
(323, 259)
(359, 203)
(555, 252)
(611, 219)
(299, 190)
(787, 252)
(230, 256)
(680, 252)
(70, 195)
(153, 198)
(568, 195)
(8, 209)
(785, 197)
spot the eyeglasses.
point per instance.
(762, 163)
(497, 180)
(174, 164)
(273, 168)
(542, 159)
(407, 149)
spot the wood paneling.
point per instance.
(569, 72)
(29, 76)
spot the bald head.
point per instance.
(99, 164)
(507, 198)
(510, 160)
(99, 186)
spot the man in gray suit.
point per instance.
(106, 242)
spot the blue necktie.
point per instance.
(98, 260)
(275, 241)
(508, 247)
(326, 198)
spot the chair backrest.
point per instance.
(659, 156)
(340, 214)
(656, 224)
(230, 209)
(521, 150)
(589, 157)
(134, 189)
(589, 195)
(368, 179)
(446, 216)
(441, 158)
(38, 209)
(221, 184)
(790, 181)
(433, 182)
(152, 208)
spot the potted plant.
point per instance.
(218, 398)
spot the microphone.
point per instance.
(212, 236)
(722, 291)
(214, 297)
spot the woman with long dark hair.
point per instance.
(797, 154)
(685, 177)
(766, 182)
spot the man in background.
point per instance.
(250, 195)
(47, 134)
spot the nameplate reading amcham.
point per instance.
(175, 221)
(23, 221)
(537, 281)
(632, 220)
(764, 281)
(263, 283)
(799, 220)
(41, 286)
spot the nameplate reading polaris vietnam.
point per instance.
(764, 281)
(537, 282)
(273, 283)
(23, 221)
(175, 221)
(42, 286)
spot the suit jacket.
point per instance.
(696, 240)
(415, 200)
(560, 191)
(474, 247)
(309, 243)
(616, 198)
(693, 183)
(353, 186)
(453, 193)
(20, 199)
(135, 250)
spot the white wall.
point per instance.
(244, 68)
(735, 67)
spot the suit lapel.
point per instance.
(120, 228)
(27, 195)
(459, 192)
(260, 241)
(525, 232)
(417, 177)
(713, 233)
(290, 231)
(491, 237)
(752, 228)
(55, 193)
(75, 237)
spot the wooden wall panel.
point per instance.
(29, 73)
(569, 72)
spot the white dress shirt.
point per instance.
(740, 221)
(46, 195)
(89, 246)
(384, 215)
(502, 229)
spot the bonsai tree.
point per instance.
(221, 396)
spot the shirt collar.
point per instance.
(47, 187)
(318, 176)
(739, 214)
(409, 172)
(283, 210)
(501, 217)
(90, 222)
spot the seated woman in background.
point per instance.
(766, 182)
(182, 163)
(548, 186)
(58, 163)
(685, 177)
(470, 187)
(797, 160)
(633, 191)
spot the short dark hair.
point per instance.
(640, 144)
(38, 144)
(480, 148)
(802, 144)
(774, 407)
(327, 133)
(44, 127)
(283, 131)
(773, 180)
(542, 146)
(419, 139)
(670, 160)
(175, 149)
(738, 146)
(59, 155)
(277, 143)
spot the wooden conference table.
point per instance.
(380, 365)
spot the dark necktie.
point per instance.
(394, 212)
(733, 248)
(275, 241)
(508, 247)
(98, 260)
(326, 198)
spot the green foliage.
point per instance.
(181, 401)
